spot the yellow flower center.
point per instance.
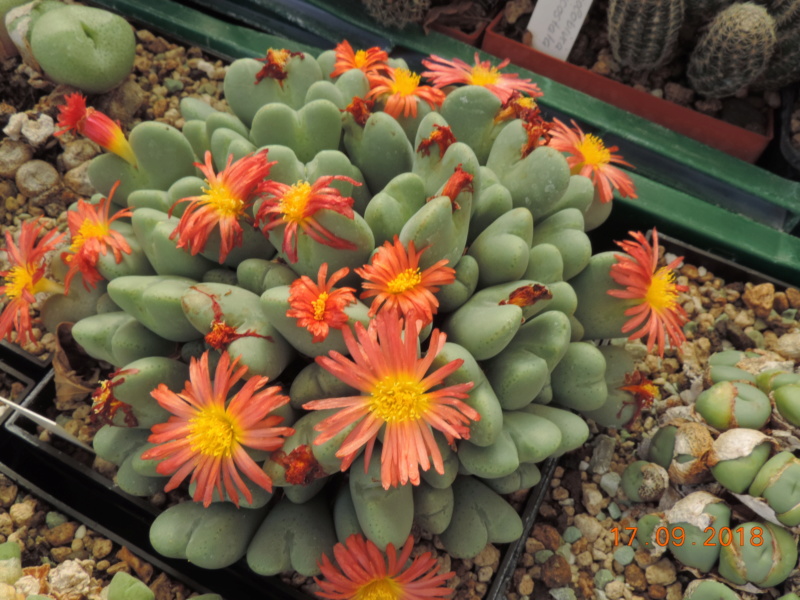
(397, 399)
(480, 75)
(525, 102)
(360, 59)
(408, 279)
(279, 56)
(661, 294)
(380, 589)
(20, 279)
(89, 229)
(213, 433)
(319, 306)
(294, 201)
(224, 203)
(405, 82)
(594, 151)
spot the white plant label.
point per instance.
(555, 25)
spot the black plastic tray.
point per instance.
(45, 467)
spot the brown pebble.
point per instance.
(657, 592)
(781, 302)
(793, 296)
(61, 553)
(61, 535)
(556, 572)
(548, 535)
(585, 585)
(525, 586)
(117, 567)
(635, 577)
(760, 298)
(101, 548)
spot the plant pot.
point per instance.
(472, 39)
(731, 139)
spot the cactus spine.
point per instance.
(643, 33)
(397, 13)
(785, 12)
(734, 51)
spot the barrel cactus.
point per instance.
(643, 34)
(734, 51)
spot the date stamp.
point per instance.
(676, 536)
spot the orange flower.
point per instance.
(588, 156)
(300, 466)
(397, 398)
(275, 64)
(105, 404)
(401, 91)
(360, 110)
(519, 107)
(538, 134)
(372, 59)
(449, 72)
(654, 291)
(26, 278)
(295, 206)
(398, 284)
(317, 306)
(363, 573)
(91, 233)
(225, 202)
(643, 390)
(459, 181)
(223, 335)
(528, 295)
(207, 435)
(96, 126)
(442, 136)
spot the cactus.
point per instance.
(784, 66)
(396, 14)
(643, 33)
(734, 51)
(785, 12)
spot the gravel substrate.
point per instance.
(64, 559)
(571, 552)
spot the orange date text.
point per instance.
(676, 536)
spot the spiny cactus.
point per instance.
(397, 13)
(734, 51)
(785, 12)
(784, 67)
(643, 33)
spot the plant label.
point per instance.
(555, 25)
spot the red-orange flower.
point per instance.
(105, 404)
(91, 235)
(588, 156)
(207, 435)
(93, 124)
(396, 398)
(372, 59)
(400, 89)
(360, 110)
(442, 136)
(26, 278)
(362, 573)
(396, 281)
(538, 134)
(519, 107)
(644, 393)
(657, 310)
(225, 203)
(317, 306)
(449, 72)
(528, 295)
(295, 206)
(459, 181)
(275, 64)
